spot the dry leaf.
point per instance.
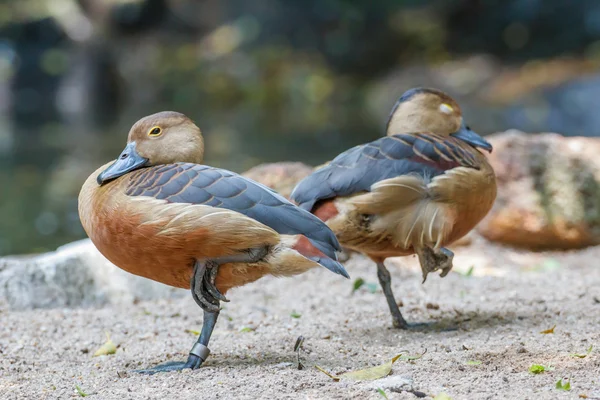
(587, 353)
(547, 331)
(107, 348)
(368, 374)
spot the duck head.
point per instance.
(431, 110)
(163, 138)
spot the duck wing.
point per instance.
(356, 170)
(219, 188)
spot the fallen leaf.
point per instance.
(335, 378)
(246, 329)
(357, 284)
(107, 348)
(587, 353)
(368, 374)
(583, 396)
(563, 386)
(294, 314)
(382, 393)
(547, 331)
(80, 392)
(442, 396)
(474, 362)
(193, 332)
(538, 368)
(411, 358)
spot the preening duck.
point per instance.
(159, 213)
(416, 190)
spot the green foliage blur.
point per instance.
(265, 81)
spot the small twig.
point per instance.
(297, 348)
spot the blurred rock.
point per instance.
(548, 191)
(281, 176)
(75, 275)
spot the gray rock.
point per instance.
(75, 275)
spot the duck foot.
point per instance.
(432, 260)
(198, 354)
(204, 291)
(430, 327)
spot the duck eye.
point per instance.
(446, 109)
(155, 131)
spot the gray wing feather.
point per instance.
(200, 184)
(357, 169)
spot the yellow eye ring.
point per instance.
(155, 131)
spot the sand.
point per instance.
(499, 309)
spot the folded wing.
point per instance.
(203, 185)
(356, 170)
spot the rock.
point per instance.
(74, 275)
(281, 177)
(548, 191)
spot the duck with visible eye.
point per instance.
(158, 213)
(417, 190)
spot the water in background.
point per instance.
(293, 80)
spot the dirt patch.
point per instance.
(500, 310)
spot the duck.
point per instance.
(418, 189)
(158, 212)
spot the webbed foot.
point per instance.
(193, 362)
(432, 260)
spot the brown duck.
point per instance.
(420, 188)
(158, 213)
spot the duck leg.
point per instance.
(208, 297)
(432, 260)
(398, 320)
(385, 280)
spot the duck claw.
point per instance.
(210, 284)
(201, 295)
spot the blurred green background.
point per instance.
(266, 81)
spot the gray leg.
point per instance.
(432, 260)
(208, 297)
(199, 352)
(386, 284)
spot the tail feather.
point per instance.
(333, 266)
(319, 253)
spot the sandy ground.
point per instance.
(500, 310)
